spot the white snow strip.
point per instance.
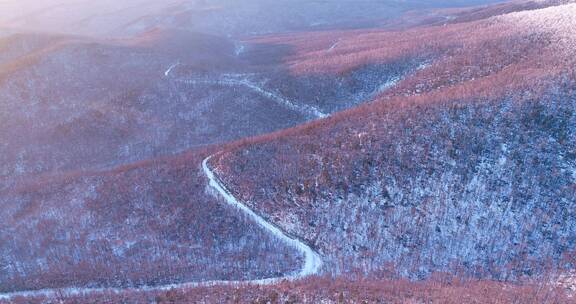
(312, 261)
(304, 109)
(386, 85)
(167, 73)
(333, 46)
(392, 82)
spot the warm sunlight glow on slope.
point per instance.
(559, 21)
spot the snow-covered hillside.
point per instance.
(222, 151)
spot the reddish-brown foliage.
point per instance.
(341, 290)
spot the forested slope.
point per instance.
(468, 166)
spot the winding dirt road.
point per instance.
(312, 261)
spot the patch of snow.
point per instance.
(423, 66)
(387, 85)
(333, 46)
(120, 249)
(318, 23)
(289, 220)
(167, 73)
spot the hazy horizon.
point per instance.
(109, 18)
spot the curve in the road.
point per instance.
(307, 110)
(226, 81)
(312, 261)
